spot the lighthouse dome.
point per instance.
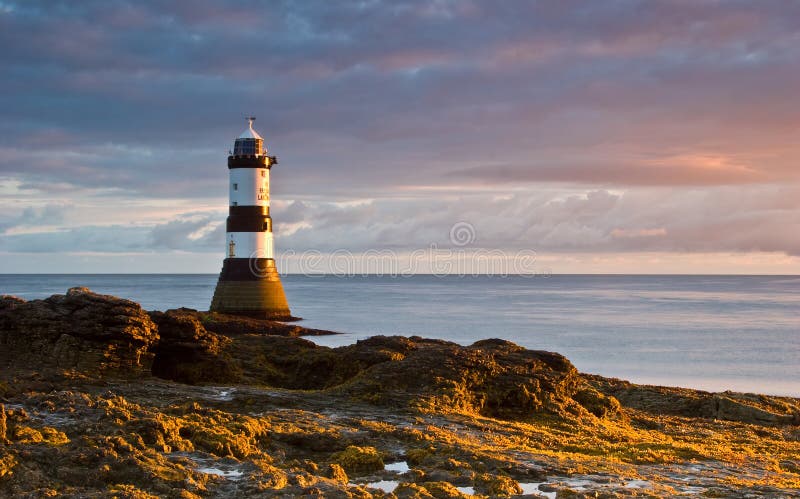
(249, 143)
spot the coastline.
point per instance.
(709, 334)
(184, 404)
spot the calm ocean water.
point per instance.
(710, 332)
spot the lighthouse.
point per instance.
(249, 283)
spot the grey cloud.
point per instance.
(723, 219)
(110, 239)
(49, 214)
(379, 81)
(189, 232)
(588, 171)
(422, 111)
(196, 233)
(733, 219)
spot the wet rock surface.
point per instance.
(493, 378)
(172, 404)
(728, 406)
(80, 332)
(187, 352)
(232, 325)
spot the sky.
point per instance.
(601, 137)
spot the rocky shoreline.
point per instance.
(100, 398)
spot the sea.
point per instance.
(716, 333)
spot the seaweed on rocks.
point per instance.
(99, 398)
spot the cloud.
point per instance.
(696, 220)
(51, 214)
(606, 224)
(189, 232)
(695, 170)
(639, 232)
(162, 83)
(599, 124)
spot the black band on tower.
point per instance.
(249, 219)
(248, 211)
(248, 162)
(246, 269)
(258, 223)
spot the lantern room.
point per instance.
(249, 143)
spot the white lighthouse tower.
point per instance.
(249, 283)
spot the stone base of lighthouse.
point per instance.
(250, 287)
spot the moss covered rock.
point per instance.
(27, 435)
(7, 463)
(188, 353)
(411, 491)
(3, 424)
(337, 473)
(79, 332)
(356, 459)
(493, 378)
(497, 486)
(600, 405)
(444, 490)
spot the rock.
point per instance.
(493, 378)
(790, 466)
(337, 473)
(359, 459)
(196, 347)
(9, 302)
(733, 410)
(443, 490)
(729, 406)
(292, 363)
(497, 486)
(415, 457)
(95, 335)
(27, 435)
(7, 463)
(310, 466)
(3, 427)
(188, 353)
(234, 325)
(297, 363)
(80, 332)
(598, 404)
(317, 441)
(416, 475)
(449, 476)
(412, 398)
(411, 491)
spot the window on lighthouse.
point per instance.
(235, 187)
(247, 147)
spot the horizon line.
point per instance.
(367, 274)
